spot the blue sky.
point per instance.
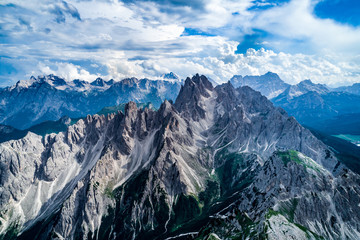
(298, 39)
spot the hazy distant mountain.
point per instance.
(316, 106)
(170, 76)
(353, 89)
(10, 133)
(219, 163)
(269, 84)
(49, 97)
(301, 88)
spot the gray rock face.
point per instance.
(49, 98)
(289, 197)
(190, 95)
(222, 156)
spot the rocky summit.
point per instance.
(219, 163)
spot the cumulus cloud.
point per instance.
(66, 70)
(146, 38)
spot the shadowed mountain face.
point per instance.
(218, 163)
(49, 98)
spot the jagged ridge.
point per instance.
(217, 153)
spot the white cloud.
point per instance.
(145, 40)
(296, 21)
(67, 71)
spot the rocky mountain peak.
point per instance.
(98, 82)
(202, 82)
(129, 81)
(52, 80)
(79, 83)
(170, 76)
(303, 87)
(269, 84)
(166, 107)
(130, 107)
(308, 85)
(272, 76)
(191, 94)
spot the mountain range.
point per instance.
(317, 106)
(269, 84)
(331, 110)
(10, 133)
(49, 98)
(353, 89)
(45, 98)
(218, 163)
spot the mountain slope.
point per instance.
(219, 162)
(49, 98)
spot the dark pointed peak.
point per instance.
(98, 82)
(193, 88)
(32, 78)
(199, 81)
(187, 102)
(79, 83)
(58, 81)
